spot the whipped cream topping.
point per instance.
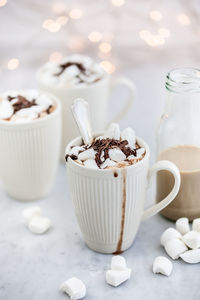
(114, 149)
(25, 105)
(74, 70)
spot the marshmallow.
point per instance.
(140, 152)
(118, 262)
(90, 163)
(75, 150)
(182, 225)
(31, 212)
(39, 224)
(162, 265)
(191, 256)
(169, 234)
(108, 163)
(115, 277)
(43, 101)
(116, 155)
(6, 109)
(113, 131)
(196, 224)
(87, 154)
(175, 247)
(74, 287)
(129, 135)
(69, 73)
(192, 239)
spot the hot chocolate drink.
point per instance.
(75, 70)
(187, 202)
(25, 105)
(112, 150)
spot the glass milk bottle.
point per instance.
(178, 140)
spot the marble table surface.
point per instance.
(33, 267)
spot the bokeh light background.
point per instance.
(141, 39)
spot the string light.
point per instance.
(118, 2)
(164, 32)
(183, 19)
(155, 15)
(58, 7)
(3, 2)
(144, 34)
(62, 20)
(105, 47)
(107, 66)
(51, 25)
(95, 36)
(13, 63)
(75, 13)
(76, 44)
(55, 56)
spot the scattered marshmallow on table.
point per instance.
(31, 212)
(118, 262)
(39, 224)
(74, 287)
(162, 265)
(192, 239)
(119, 272)
(129, 135)
(175, 247)
(113, 131)
(182, 225)
(116, 277)
(191, 256)
(196, 224)
(169, 234)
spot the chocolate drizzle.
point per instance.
(69, 64)
(21, 103)
(102, 147)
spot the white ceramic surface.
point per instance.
(97, 95)
(99, 196)
(29, 155)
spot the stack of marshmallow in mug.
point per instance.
(180, 242)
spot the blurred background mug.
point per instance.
(97, 94)
(29, 155)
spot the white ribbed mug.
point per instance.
(96, 94)
(109, 204)
(29, 155)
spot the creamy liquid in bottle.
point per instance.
(187, 202)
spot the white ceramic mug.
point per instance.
(29, 155)
(109, 204)
(96, 94)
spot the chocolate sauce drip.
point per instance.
(22, 103)
(69, 64)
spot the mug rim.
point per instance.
(35, 121)
(72, 163)
(94, 84)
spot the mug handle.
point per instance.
(123, 81)
(171, 167)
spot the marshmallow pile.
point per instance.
(24, 105)
(113, 149)
(183, 242)
(118, 274)
(74, 70)
(34, 220)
